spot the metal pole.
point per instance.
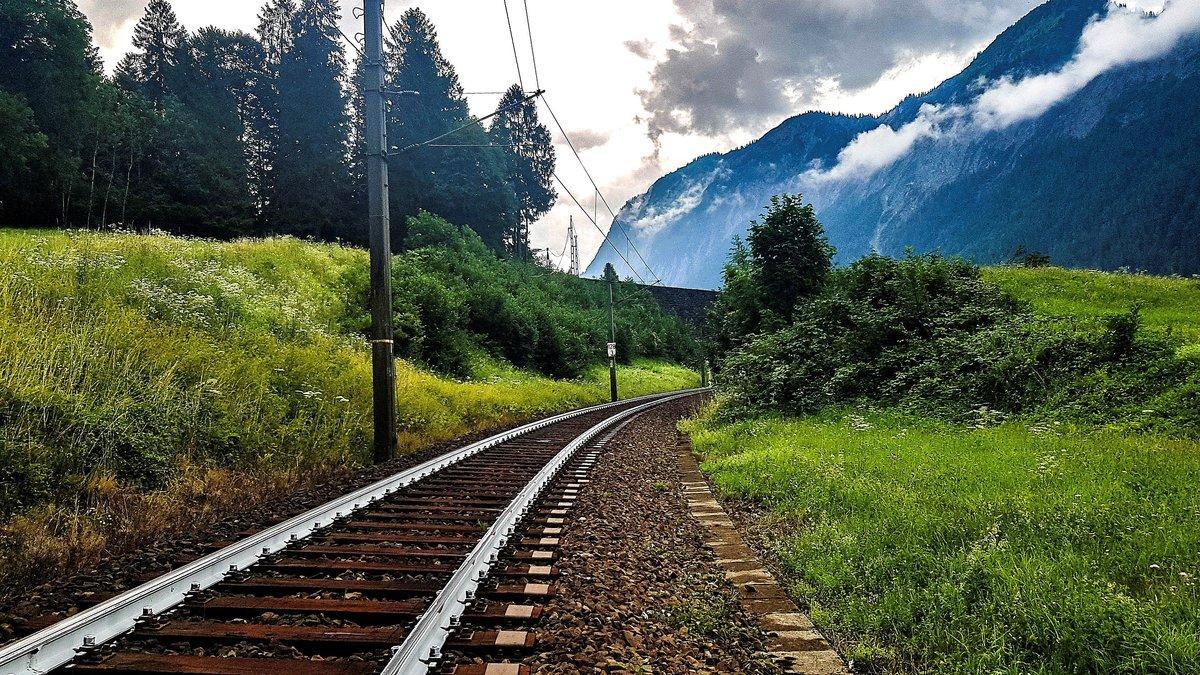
(383, 367)
(612, 332)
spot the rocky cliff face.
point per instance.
(1108, 177)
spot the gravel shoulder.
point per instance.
(640, 592)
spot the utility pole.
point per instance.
(612, 345)
(383, 366)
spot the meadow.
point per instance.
(1168, 304)
(925, 547)
(965, 470)
(151, 382)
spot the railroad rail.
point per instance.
(377, 580)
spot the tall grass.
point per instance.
(147, 382)
(1168, 304)
(999, 549)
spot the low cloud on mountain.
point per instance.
(741, 64)
(1128, 34)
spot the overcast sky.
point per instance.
(644, 86)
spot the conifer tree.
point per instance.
(461, 179)
(529, 159)
(159, 42)
(220, 102)
(309, 192)
(275, 36)
(275, 30)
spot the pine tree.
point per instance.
(220, 103)
(462, 181)
(275, 36)
(159, 42)
(311, 173)
(275, 30)
(529, 163)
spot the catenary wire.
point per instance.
(537, 80)
(513, 38)
(596, 187)
(598, 228)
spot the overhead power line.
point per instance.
(599, 193)
(598, 228)
(537, 80)
(592, 216)
(513, 38)
(477, 145)
(474, 121)
(353, 44)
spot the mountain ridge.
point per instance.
(1048, 183)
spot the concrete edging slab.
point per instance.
(796, 645)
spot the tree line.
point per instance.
(225, 134)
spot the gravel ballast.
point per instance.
(26, 610)
(640, 591)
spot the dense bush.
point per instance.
(928, 333)
(453, 297)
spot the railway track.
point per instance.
(455, 554)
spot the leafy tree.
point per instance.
(610, 274)
(791, 256)
(459, 179)
(737, 313)
(311, 174)
(20, 143)
(529, 163)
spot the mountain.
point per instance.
(1107, 177)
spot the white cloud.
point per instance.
(654, 221)
(1123, 37)
(1128, 34)
(882, 146)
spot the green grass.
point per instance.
(1014, 549)
(1168, 304)
(152, 364)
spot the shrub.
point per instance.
(927, 333)
(454, 297)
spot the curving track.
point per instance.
(453, 554)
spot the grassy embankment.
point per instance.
(1169, 305)
(1011, 545)
(155, 383)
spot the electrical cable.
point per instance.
(596, 187)
(599, 229)
(474, 121)
(353, 44)
(477, 145)
(537, 80)
(513, 38)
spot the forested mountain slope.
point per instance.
(1107, 177)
